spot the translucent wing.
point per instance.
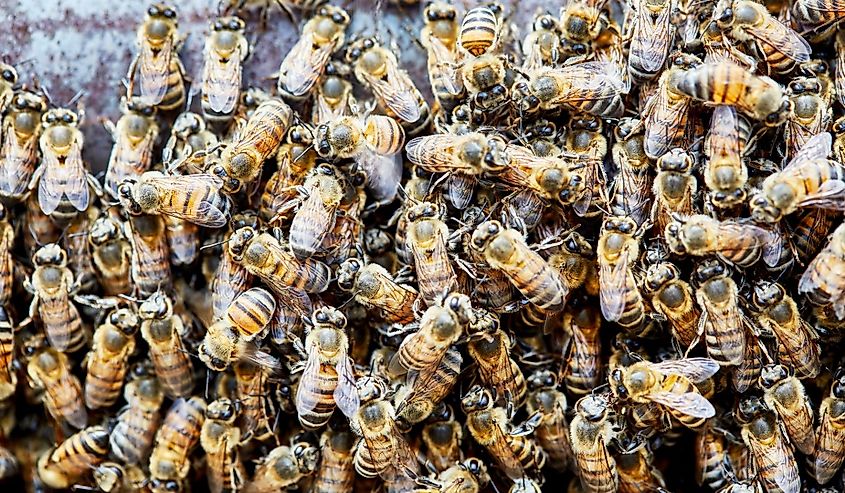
(63, 178)
(383, 173)
(652, 39)
(310, 373)
(691, 403)
(816, 148)
(396, 91)
(613, 279)
(154, 69)
(731, 231)
(303, 65)
(213, 209)
(695, 369)
(221, 81)
(444, 59)
(786, 42)
(346, 393)
(723, 139)
(293, 305)
(17, 162)
(435, 153)
(778, 458)
(128, 160)
(831, 195)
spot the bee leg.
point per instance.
(109, 126)
(527, 426)
(286, 9)
(130, 76)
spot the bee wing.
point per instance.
(383, 173)
(695, 369)
(293, 305)
(66, 178)
(731, 231)
(66, 389)
(396, 91)
(18, 162)
(590, 76)
(303, 65)
(779, 459)
(831, 195)
(691, 403)
(309, 374)
(346, 393)
(221, 81)
(208, 214)
(652, 38)
(612, 293)
(127, 159)
(818, 147)
(434, 152)
(155, 68)
(444, 59)
(724, 123)
(788, 43)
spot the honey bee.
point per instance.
(373, 286)
(75, 243)
(711, 449)
(174, 442)
(284, 467)
(50, 370)
(722, 320)
(194, 198)
(163, 330)
(378, 69)
(162, 73)
(829, 453)
(591, 430)
(264, 256)
(583, 365)
(725, 172)
(440, 327)
(809, 180)
(651, 32)
(481, 30)
(759, 97)
(670, 385)
(586, 147)
(740, 244)
(107, 362)
(372, 143)
(442, 435)
(553, 431)
(776, 466)
(821, 280)
(666, 113)
(336, 471)
(782, 49)
(244, 321)
(439, 37)
(21, 130)
(328, 378)
(256, 407)
(333, 98)
(318, 206)
(591, 87)
(426, 388)
(797, 340)
(220, 439)
(68, 463)
(134, 136)
(811, 115)
(514, 452)
(150, 254)
(226, 48)
(257, 141)
(427, 237)
(321, 36)
(8, 81)
(635, 465)
(188, 135)
(491, 350)
(629, 193)
(673, 299)
(133, 434)
(296, 159)
(505, 249)
(183, 238)
(468, 476)
(541, 47)
(617, 250)
(786, 396)
(582, 23)
(62, 178)
(52, 286)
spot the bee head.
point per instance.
(485, 232)
(50, 254)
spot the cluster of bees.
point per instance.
(608, 252)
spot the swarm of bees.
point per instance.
(603, 252)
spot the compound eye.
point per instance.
(67, 118)
(218, 25)
(369, 43)
(338, 18)
(170, 13)
(235, 24)
(9, 75)
(152, 11)
(321, 317)
(546, 23)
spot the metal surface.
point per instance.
(70, 46)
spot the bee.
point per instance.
(75, 243)
(52, 286)
(481, 30)
(336, 471)
(670, 385)
(427, 237)
(220, 439)
(318, 206)
(439, 37)
(296, 159)
(582, 23)
(8, 368)
(373, 286)
(264, 256)
(666, 113)
(782, 49)
(21, 130)
(711, 449)
(378, 69)
(542, 47)
(809, 180)
(722, 319)
(617, 250)
(333, 98)
(174, 442)
(797, 341)
(163, 330)
(62, 178)
(672, 298)
(162, 73)
(284, 467)
(583, 367)
(770, 450)
(759, 97)
(740, 244)
(150, 254)
(426, 388)
(514, 452)
(590, 431)
(635, 465)
(194, 198)
(829, 453)
(726, 144)
(591, 87)
(226, 48)
(470, 154)
(230, 278)
(107, 361)
(244, 321)
(810, 229)
(821, 280)
(505, 249)
(586, 147)
(630, 189)
(787, 397)
(552, 434)
(491, 350)
(328, 378)
(256, 407)
(133, 434)
(811, 115)
(442, 435)
(8, 82)
(68, 463)
(257, 141)
(134, 137)
(468, 476)
(188, 135)
(51, 370)
(372, 143)
(321, 36)
(440, 327)
(651, 31)
(183, 238)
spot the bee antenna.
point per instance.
(304, 151)
(76, 97)
(212, 245)
(207, 380)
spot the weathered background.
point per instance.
(87, 45)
